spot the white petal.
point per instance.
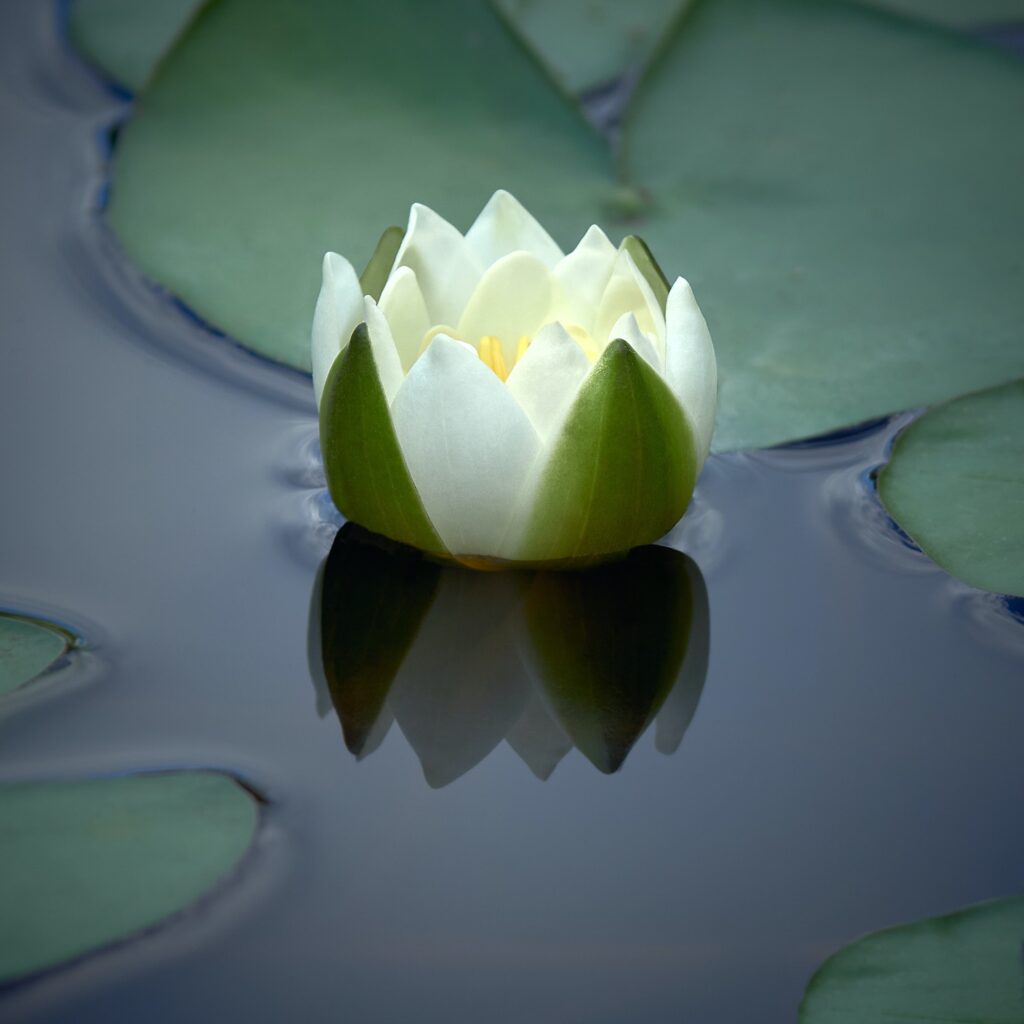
(468, 446)
(445, 266)
(629, 292)
(690, 366)
(339, 308)
(512, 300)
(402, 304)
(385, 356)
(538, 738)
(505, 226)
(627, 328)
(581, 279)
(545, 381)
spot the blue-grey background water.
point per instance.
(855, 760)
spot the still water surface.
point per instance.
(854, 759)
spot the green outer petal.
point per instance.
(622, 470)
(372, 606)
(955, 483)
(90, 862)
(963, 967)
(608, 645)
(375, 276)
(648, 266)
(366, 472)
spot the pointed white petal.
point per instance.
(385, 356)
(339, 308)
(545, 381)
(402, 304)
(627, 328)
(512, 300)
(505, 226)
(445, 266)
(468, 446)
(629, 292)
(690, 366)
(538, 738)
(581, 279)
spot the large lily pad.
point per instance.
(955, 484)
(964, 967)
(849, 225)
(27, 648)
(83, 864)
(125, 38)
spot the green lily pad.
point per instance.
(957, 13)
(229, 185)
(125, 38)
(585, 44)
(84, 864)
(963, 967)
(955, 484)
(27, 648)
(849, 226)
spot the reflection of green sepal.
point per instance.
(648, 266)
(375, 276)
(371, 610)
(608, 644)
(622, 470)
(366, 471)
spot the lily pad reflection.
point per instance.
(546, 661)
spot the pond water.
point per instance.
(854, 760)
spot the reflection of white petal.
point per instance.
(461, 687)
(629, 331)
(545, 381)
(581, 278)
(339, 308)
(505, 226)
(690, 367)
(445, 266)
(385, 358)
(467, 443)
(511, 301)
(628, 292)
(402, 303)
(538, 738)
(677, 712)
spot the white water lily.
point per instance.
(487, 398)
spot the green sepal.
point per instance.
(372, 606)
(648, 266)
(621, 472)
(375, 276)
(366, 471)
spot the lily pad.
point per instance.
(955, 484)
(963, 967)
(958, 13)
(587, 44)
(84, 864)
(125, 38)
(850, 258)
(275, 132)
(27, 648)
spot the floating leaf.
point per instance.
(83, 864)
(964, 967)
(27, 648)
(125, 38)
(586, 44)
(957, 13)
(955, 484)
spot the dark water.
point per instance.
(854, 761)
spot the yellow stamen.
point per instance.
(492, 355)
(524, 344)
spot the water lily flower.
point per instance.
(489, 399)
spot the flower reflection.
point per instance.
(547, 661)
